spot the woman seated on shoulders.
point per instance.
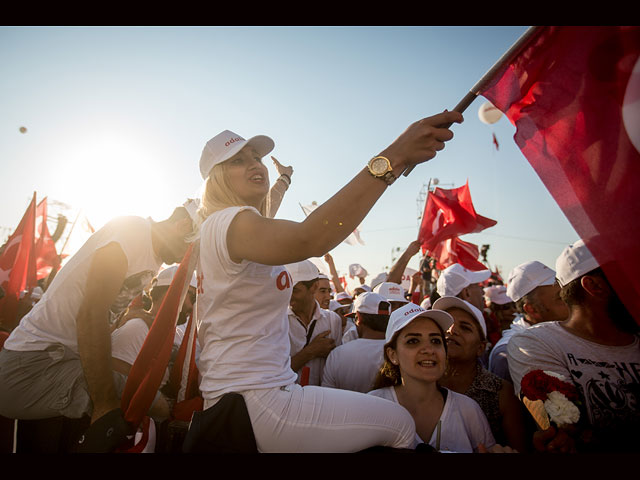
(466, 343)
(415, 359)
(244, 292)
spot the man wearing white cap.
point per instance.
(313, 331)
(323, 293)
(536, 293)
(597, 349)
(354, 365)
(63, 345)
(393, 293)
(458, 281)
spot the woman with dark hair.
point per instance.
(415, 359)
(466, 342)
(244, 292)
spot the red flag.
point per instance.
(447, 214)
(145, 376)
(46, 256)
(17, 265)
(572, 94)
(454, 250)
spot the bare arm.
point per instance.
(281, 185)
(106, 274)
(398, 268)
(334, 273)
(277, 242)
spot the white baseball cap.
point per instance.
(497, 294)
(574, 261)
(343, 296)
(444, 303)
(333, 305)
(526, 277)
(226, 144)
(165, 277)
(455, 278)
(404, 315)
(370, 302)
(391, 291)
(303, 271)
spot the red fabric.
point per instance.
(447, 214)
(18, 266)
(46, 256)
(565, 94)
(145, 376)
(181, 364)
(455, 250)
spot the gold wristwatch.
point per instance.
(380, 167)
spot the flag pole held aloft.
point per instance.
(487, 77)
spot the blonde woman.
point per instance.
(244, 292)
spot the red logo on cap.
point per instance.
(284, 280)
(233, 140)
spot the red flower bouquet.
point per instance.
(550, 398)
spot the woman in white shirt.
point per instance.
(244, 292)
(415, 358)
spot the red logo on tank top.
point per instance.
(284, 280)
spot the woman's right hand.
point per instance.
(421, 141)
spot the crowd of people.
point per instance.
(290, 360)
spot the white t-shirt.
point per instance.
(127, 340)
(242, 307)
(607, 377)
(462, 427)
(53, 319)
(354, 365)
(324, 320)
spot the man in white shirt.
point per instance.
(313, 331)
(354, 365)
(536, 293)
(63, 345)
(596, 349)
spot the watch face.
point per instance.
(379, 166)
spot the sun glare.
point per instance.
(109, 174)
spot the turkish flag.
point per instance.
(447, 214)
(573, 94)
(145, 376)
(17, 265)
(46, 256)
(454, 250)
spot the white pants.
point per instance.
(313, 419)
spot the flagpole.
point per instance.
(70, 231)
(506, 58)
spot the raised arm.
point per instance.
(277, 242)
(398, 268)
(279, 188)
(334, 273)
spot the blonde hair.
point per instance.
(218, 194)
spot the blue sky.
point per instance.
(117, 117)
